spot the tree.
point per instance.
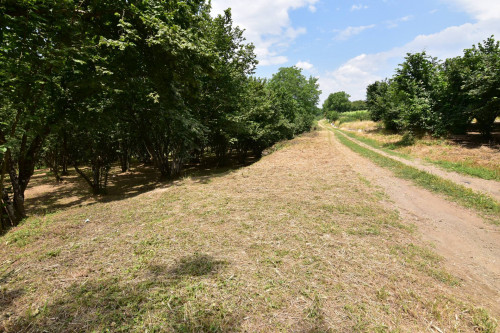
(359, 105)
(482, 82)
(297, 97)
(224, 89)
(95, 82)
(452, 102)
(379, 100)
(40, 40)
(414, 84)
(337, 102)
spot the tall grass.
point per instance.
(349, 117)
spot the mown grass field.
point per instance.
(297, 242)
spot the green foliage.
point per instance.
(482, 82)
(348, 117)
(358, 105)
(379, 99)
(413, 86)
(338, 102)
(332, 116)
(296, 97)
(90, 83)
(426, 96)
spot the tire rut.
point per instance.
(470, 248)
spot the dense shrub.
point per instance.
(428, 96)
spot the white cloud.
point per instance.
(479, 9)
(395, 23)
(267, 24)
(305, 65)
(354, 75)
(352, 31)
(358, 7)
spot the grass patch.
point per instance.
(483, 322)
(293, 243)
(460, 194)
(467, 169)
(349, 117)
(375, 144)
(31, 230)
(425, 261)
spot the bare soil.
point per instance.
(471, 247)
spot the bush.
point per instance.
(333, 116)
(408, 139)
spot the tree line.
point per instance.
(86, 84)
(428, 96)
(338, 102)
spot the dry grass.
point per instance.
(480, 155)
(460, 149)
(296, 242)
(366, 126)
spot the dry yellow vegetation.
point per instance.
(295, 242)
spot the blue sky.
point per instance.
(350, 44)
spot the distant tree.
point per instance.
(338, 102)
(358, 105)
(427, 96)
(413, 85)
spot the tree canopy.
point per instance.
(89, 84)
(429, 96)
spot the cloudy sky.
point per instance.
(349, 44)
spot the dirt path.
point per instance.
(470, 247)
(489, 187)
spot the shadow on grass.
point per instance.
(196, 265)
(164, 299)
(8, 297)
(45, 195)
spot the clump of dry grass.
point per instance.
(295, 242)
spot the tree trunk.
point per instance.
(12, 205)
(125, 161)
(64, 157)
(52, 162)
(7, 213)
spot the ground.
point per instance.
(300, 241)
(470, 149)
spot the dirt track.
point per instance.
(489, 187)
(470, 247)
